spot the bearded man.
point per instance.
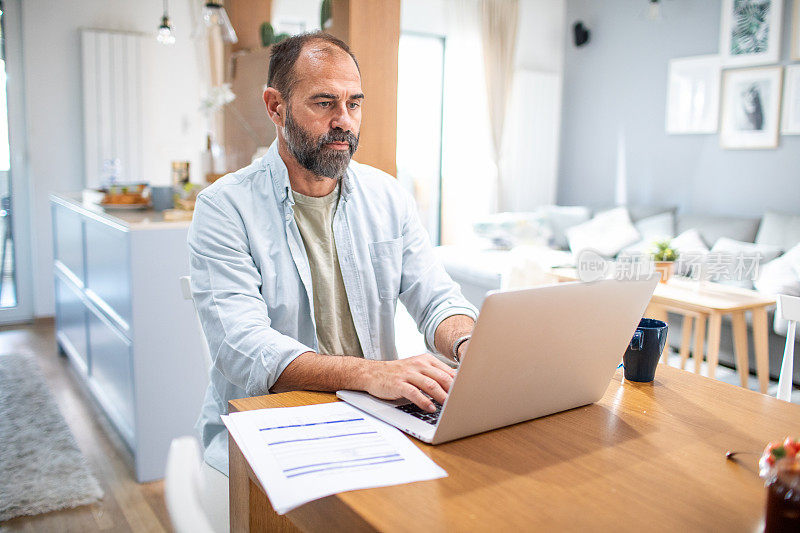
(297, 261)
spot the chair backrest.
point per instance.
(182, 490)
(788, 309)
(186, 290)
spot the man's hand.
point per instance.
(409, 378)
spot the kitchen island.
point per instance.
(123, 323)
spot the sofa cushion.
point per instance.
(711, 228)
(736, 263)
(781, 275)
(691, 251)
(638, 212)
(779, 229)
(652, 229)
(560, 218)
(607, 233)
(657, 227)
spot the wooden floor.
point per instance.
(127, 505)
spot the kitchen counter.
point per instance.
(138, 219)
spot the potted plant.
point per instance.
(664, 256)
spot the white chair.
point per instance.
(789, 310)
(209, 485)
(186, 289)
(183, 487)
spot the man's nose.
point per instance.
(342, 118)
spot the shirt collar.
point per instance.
(280, 176)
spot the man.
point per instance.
(297, 261)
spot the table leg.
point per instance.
(740, 347)
(238, 489)
(760, 334)
(686, 339)
(699, 342)
(714, 324)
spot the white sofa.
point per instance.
(479, 269)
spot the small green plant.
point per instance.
(268, 36)
(663, 251)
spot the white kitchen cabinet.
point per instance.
(122, 321)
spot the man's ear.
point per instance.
(276, 106)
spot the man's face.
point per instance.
(323, 114)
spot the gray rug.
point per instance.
(41, 467)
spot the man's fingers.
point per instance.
(429, 386)
(443, 378)
(412, 393)
(428, 358)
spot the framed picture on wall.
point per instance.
(750, 32)
(751, 101)
(693, 95)
(790, 122)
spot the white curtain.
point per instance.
(499, 35)
(468, 169)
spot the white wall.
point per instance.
(51, 49)
(615, 89)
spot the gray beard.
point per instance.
(313, 155)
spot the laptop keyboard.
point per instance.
(425, 416)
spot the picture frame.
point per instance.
(693, 95)
(750, 32)
(751, 101)
(790, 119)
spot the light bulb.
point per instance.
(166, 34)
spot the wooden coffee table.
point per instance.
(702, 306)
(705, 303)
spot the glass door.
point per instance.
(15, 272)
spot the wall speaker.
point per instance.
(580, 34)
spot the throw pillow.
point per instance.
(781, 275)
(779, 229)
(736, 262)
(691, 251)
(561, 218)
(607, 233)
(655, 228)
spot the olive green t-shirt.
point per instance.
(335, 329)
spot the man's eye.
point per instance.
(353, 105)
(324, 104)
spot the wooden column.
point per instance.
(246, 18)
(372, 30)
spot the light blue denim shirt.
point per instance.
(251, 280)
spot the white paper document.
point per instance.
(303, 453)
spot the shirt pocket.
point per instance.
(387, 263)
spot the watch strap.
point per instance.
(457, 345)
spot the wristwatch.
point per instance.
(457, 345)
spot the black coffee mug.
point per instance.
(644, 351)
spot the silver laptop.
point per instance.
(533, 352)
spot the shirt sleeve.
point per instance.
(426, 290)
(226, 286)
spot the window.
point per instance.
(419, 124)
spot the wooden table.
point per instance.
(702, 306)
(646, 457)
